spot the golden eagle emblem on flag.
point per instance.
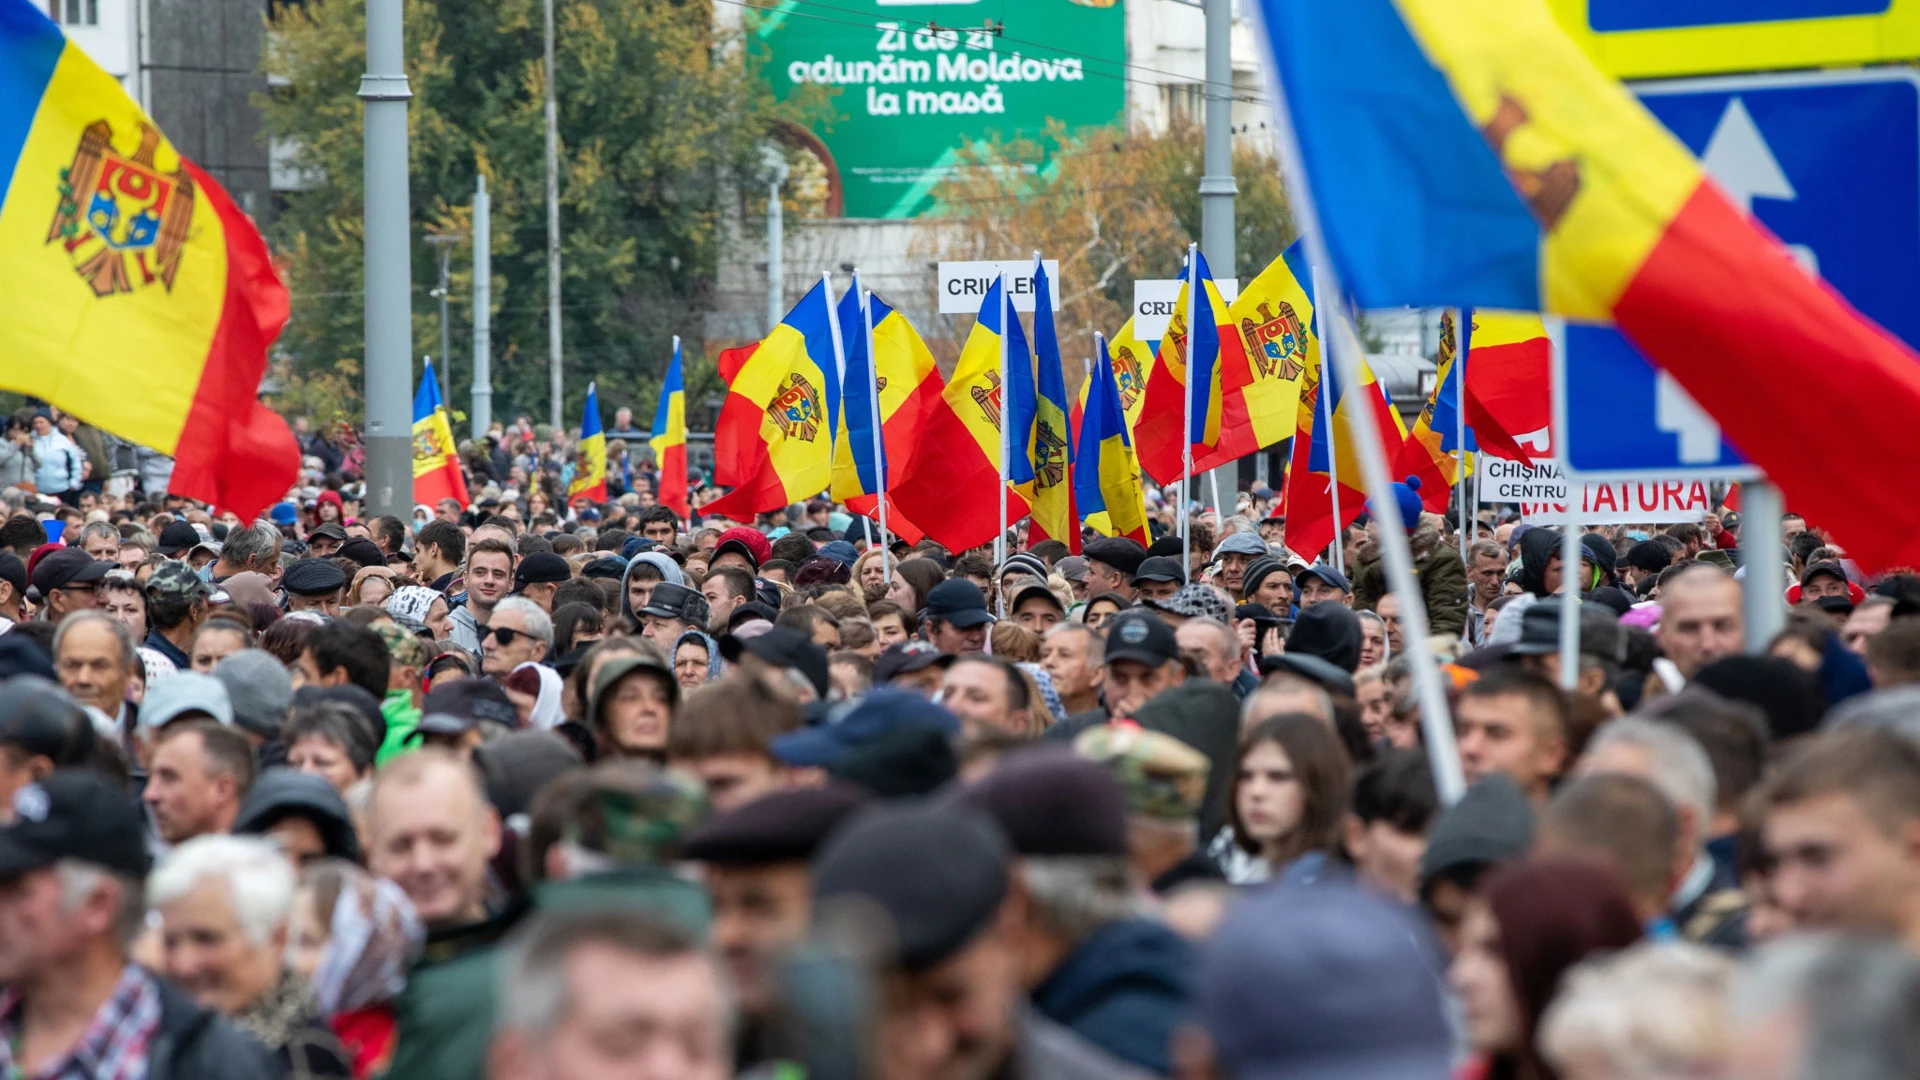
(988, 398)
(1277, 341)
(431, 445)
(1049, 455)
(1127, 373)
(796, 408)
(121, 218)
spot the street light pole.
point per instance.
(389, 267)
(553, 229)
(482, 311)
(776, 238)
(1217, 190)
(445, 242)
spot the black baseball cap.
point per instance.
(783, 647)
(958, 601)
(935, 874)
(329, 530)
(67, 567)
(1141, 636)
(1039, 592)
(177, 537)
(1159, 568)
(670, 601)
(13, 572)
(905, 658)
(459, 706)
(41, 720)
(74, 814)
(541, 566)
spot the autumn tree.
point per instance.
(658, 112)
(1112, 208)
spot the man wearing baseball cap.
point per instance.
(1142, 659)
(538, 575)
(957, 617)
(176, 606)
(68, 580)
(74, 864)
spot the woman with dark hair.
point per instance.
(575, 625)
(332, 741)
(1291, 784)
(1526, 927)
(913, 579)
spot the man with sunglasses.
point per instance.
(69, 581)
(518, 632)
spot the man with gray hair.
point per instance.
(610, 992)
(255, 548)
(72, 867)
(1214, 648)
(518, 632)
(1827, 1007)
(95, 656)
(100, 540)
(1092, 961)
(1707, 905)
(223, 904)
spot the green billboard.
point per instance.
(915, 84)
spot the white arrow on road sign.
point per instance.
(1739, 158)
(1676, 413)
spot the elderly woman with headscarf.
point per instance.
(353, 939)
(535, 690)
(371, 585)
(417, 603)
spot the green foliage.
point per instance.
(656, 115)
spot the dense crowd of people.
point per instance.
(530, 789)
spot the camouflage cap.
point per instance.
(639, 814)
(403, 645)
(1163, 777)
(177, 581)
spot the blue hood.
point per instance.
(1125, 989)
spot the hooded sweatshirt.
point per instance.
(706, 642)
(1537, 549)
(1124, 989)
(669, 571)
(283, 793)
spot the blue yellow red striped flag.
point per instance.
(1048, 453)
(1324, 452)
(976, 397)
(1434, 450)
(668, 439)
(860, 468)
(1260, 381)
(436, 462)
(138, 296)
(1467, 153)
(1158, 433)
(773, 443)
(1106, 485)
(590, 457)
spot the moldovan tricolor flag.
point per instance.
(436, 463)
(859, 473)
(1509, 374)
(975, 396)
(669, 438)
(1433, 450)
(590, 460)
(138, 296)
(1047, 453)
(1106, 479)
(1260, 381)
(1157, 436)
(1466, 153)
(1329, 454)
(773, 443)
(1132, 361)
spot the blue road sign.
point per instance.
(1830, 163)
(1616, 15)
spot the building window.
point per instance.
(74, 12)
(1186, 103)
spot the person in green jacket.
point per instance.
(1442, 575)
(401, 705)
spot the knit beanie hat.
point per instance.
(1407, 497)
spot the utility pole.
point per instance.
(553, 230)
(1217, 190)
(776, 238)
(445, 242)
(482, 310)
(389, 267)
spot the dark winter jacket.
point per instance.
(1537, 548)
(195, 1044)
(1442, 576)
(283, 793)
(1125, 990)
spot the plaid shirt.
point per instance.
(114, 1046)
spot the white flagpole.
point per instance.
(1462, 338)
(1186, 429)
(1325, 405)
(873, 401)
(1006, 430)
(1570, 585)
(1435, 723)
(839, 371)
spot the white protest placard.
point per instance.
(1628, 502)
(1503, 480)
(963, 285)
(1154, 300)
